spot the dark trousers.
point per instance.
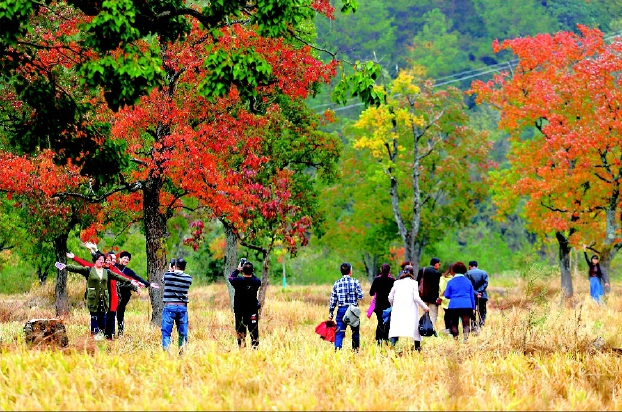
(455, 316)
(382, 330)
(124, 298)
(98, 322)
(446, 319)
(481, 305)
(111, 319)
(244, 322)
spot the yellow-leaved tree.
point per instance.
(434, 164)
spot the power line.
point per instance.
(466, 73)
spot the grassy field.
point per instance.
(533, 355)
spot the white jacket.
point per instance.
(405, 301)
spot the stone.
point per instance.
(46, 332)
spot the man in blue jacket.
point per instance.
(479, 279)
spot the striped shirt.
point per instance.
(176, 285)
(346, 291)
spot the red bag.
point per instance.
(327, 330)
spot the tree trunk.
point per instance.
(265, 279)
(418, 249)
(371, 266)
(155, 235)
(61, 302)
(42, 274)
(564, 265)
(231, 258)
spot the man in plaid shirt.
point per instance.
(346, 291)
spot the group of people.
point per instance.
(461, 292)
(109, 284)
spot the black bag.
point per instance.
(426, 327)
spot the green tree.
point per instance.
(436, 48)
(434, 162)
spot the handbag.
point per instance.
(372, 307)
(421, 283)
(426, 327)
(352, 316)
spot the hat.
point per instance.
(473, 263)
(434, 261)
(595, 257)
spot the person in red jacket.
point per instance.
(110, 260)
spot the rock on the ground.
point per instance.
(46, 332)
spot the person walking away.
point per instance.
(245, 303)
(346, 291)
(405, 301)
(97, 299)
(596, 276)
(381, 287)
(447, 276)
(429, 280)
(175, 297)
(461, 297)
(479, 280)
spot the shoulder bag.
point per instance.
(352, 316)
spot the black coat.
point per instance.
(381, 287)
(595, 269)
(431, 280)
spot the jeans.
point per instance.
(174, 314)
(341, 330)
(98, 322)
(596, 288)
(111, 317)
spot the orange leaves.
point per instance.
(566, 86)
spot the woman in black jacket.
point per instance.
(381, 286)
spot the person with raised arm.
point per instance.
(124, 289)
(98, 298)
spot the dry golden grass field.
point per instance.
(533, 355)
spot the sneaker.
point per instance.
(99, 336)
(120, 333)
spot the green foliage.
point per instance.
(438, 49)
(241, 68)
(360, 83)
(14, 20)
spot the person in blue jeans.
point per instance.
(346, 291)
(176, 285)
(596, 276)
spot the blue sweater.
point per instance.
(460, 292)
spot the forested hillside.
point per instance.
(324, 191)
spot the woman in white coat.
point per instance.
(405, 303)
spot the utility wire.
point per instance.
(467, 75)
